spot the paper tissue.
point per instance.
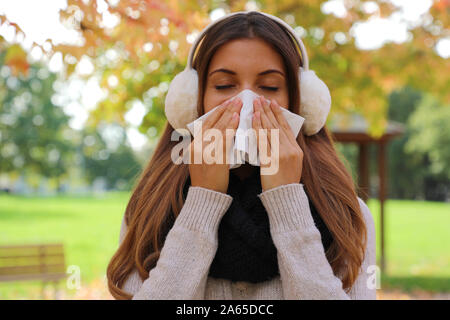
(244, 144)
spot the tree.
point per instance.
(139, 64)
(106, 156)
(405, 174)
(34, 133)
(13, 55)
(429, 143)
(36, 140)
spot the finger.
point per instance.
(283, 135)
(271, 123)
(228, 120)
(266, 133)
(230, 132)
(223, 121)
(215, 115)
(278, 113)
(283, 138)
(265, 122)
(268, 111)
(233, 124)
(256, 124)
(262, 140)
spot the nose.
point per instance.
(249, 89)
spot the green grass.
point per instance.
(417, 237)
(87, 226)
(417, 244)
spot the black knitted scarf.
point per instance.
(246, 251)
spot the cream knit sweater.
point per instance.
(189, 249)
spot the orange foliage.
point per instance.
(150, 39)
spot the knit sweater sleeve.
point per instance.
(304, 269)
(189, 249)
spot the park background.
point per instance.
(82, 88)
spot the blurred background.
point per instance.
(82, 88)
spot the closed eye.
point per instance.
(229, 86)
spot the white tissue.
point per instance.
(242, 150)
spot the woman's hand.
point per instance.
(268, 115)
(214, 176)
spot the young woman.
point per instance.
(203, 231)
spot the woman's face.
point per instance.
(245, 64)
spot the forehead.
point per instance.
(246, 53)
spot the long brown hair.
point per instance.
(158, 197)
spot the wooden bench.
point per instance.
(44, 262)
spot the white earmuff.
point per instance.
(315, 101)
(182, 95)
(181, 99)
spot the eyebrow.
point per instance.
(259, 74)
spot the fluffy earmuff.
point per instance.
(181, 99)
(315, 101)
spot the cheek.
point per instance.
(284, 103)
(282, 98)
(210, 100)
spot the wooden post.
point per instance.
(363, 168)
(381, 196)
